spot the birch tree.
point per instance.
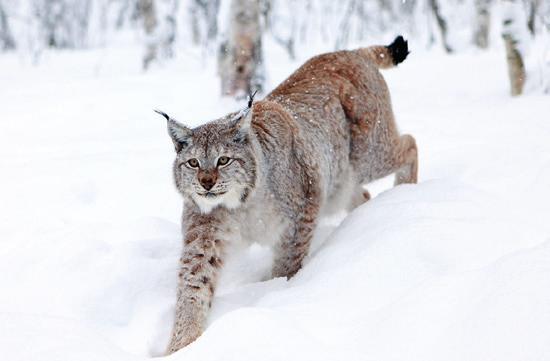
(544, 13)
(6, 38)
(160, 27)
(204, 21)
(240, 56)
(514, 36)
(482, 23)
(533, 7)
(148, 15)
(441, 24)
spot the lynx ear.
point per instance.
(241, 124)
(243, 119)
(180, 134)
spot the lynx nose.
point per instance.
(207, 181)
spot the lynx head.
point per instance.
(215, 163)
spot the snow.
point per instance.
(454, 268)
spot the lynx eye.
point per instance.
(192, 163)
(223, 161)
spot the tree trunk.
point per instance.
(147, 12)
(204, 21)
(512, 25)
(211, 16)
(240, 56)
(482, 23)
(265, 10)
(533, 9)
(516, 68)
(544, 10)
(6, 38)
(441, 24)
(170, 29)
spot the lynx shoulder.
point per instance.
(268, 172)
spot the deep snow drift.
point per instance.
(454, 268)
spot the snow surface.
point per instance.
(454, 268)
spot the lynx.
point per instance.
(267, 173)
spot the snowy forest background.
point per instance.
(167, 29)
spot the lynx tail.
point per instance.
(388, 56)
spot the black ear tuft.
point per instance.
(399, 50)
(162, 113)
(179, 133)
(251, 98)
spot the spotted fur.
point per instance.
(303, 151)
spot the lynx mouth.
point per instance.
(211, 194)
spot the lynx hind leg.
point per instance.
(377, 148)
(390, 155)
(406, 160)
(400, 156)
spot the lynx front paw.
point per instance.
(182, 337)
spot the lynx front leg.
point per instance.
(200, 265)
(296, 239)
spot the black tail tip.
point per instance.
(399, 49)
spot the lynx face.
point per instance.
(215, 163)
